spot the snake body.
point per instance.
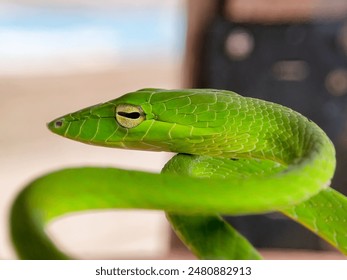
(236, 156)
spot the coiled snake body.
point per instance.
(236, 156)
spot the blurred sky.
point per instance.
(87, 36)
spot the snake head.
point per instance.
(88, 125)
(182, 121)
(132, 121)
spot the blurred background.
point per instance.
(290, 52)
(60, 56)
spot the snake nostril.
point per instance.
(58, 124)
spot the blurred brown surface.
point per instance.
(282, 11)
(269, 11)
(278, 254)
(200, 14)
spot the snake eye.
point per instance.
(129, 116)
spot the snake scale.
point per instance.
(235, 156)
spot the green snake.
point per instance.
(235, 156)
